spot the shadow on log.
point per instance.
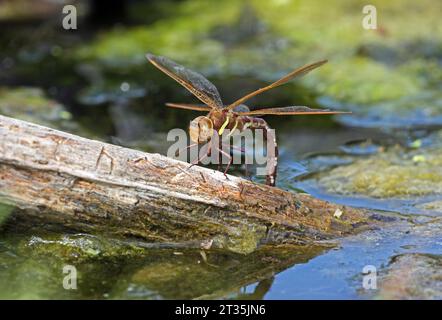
(97, 187)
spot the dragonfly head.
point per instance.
(201, 129)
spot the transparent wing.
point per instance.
(202, 88)
(295, 73)
(293, 110)
(241, 108)
(203, 107)
(196, 107)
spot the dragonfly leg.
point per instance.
(185, 148)
(230, 161)
(272, 153)
(247, 173)
(199, 159)
(227, 168)
(234, 147)
(219, 156)
(242, 150)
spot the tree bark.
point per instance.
(98, 187)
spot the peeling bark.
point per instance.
(95, 187)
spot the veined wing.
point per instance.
(293, 110)
(295, 73)
(202, 88)
(203, 107)
(196, 107)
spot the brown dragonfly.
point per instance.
(235, 116)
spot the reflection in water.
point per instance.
(32, 257)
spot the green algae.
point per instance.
(264, 39)
(125, 47)
(31, 104)
(394, 173)
(246, 241)
(5, 211)
(80, 247)
(369, 81)
(432, 205)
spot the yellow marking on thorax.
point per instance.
(234, 128)
(221, 130)
(246, 125)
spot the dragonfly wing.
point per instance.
(202, 107)
(295, 73)
(241, 108)
(202, 88)
(293, 110)
(196, 107)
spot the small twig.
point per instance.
(103, 152)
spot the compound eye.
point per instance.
(205, 129)
(201, 129)
(194, 130)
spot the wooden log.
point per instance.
(98, 187)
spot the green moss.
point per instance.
(5, 211)
(31, 104)
(32, 263)
(372, 82)
(246, 241)
(179, 34)
(81, 247)
(433, 205)
(391, 65)
(388, 174)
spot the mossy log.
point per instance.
(98, 187)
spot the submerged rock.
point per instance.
(412, 276)
(393, 173)
(80, 247)
(33, 266)
(406, 180)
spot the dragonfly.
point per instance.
(234, 116)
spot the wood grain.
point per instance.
(99, 187)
